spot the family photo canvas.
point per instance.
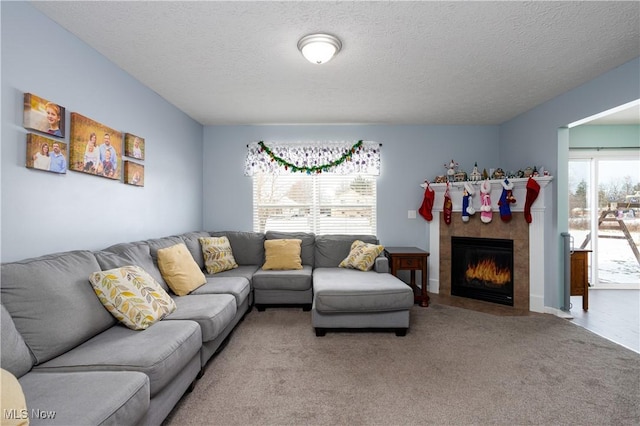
(43, 115)
(133, 173)
(46, 154)
(94, 148)
(133, 146)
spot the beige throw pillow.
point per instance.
(217, 254)
(132, 296)
(12, 401)
(179, 269)
(282, 254)
(362, 256)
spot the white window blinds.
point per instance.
(321, 187)
(322, 203)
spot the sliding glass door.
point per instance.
(604, 214)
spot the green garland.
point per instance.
(314, 169)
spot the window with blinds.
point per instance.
(321, 203)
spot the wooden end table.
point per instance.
(413, 259)
(580, 275)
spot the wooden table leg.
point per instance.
(413, 286)
(585, 297)
(425, 297)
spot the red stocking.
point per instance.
(533, 188)
(448, 206)
(427, 203)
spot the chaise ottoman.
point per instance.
(352, 299)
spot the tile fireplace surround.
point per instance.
(528, 240)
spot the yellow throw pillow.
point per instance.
(282, 254)
(217, 254)
(180, 270)
(362, 256)
(12, 401)
(132, 296)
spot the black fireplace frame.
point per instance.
(467, 250)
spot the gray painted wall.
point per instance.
(410, 154)
(535, 135)
(43, 212)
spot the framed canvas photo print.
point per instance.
(133, 173)
(133, 146)
(46, 154)
(43, 115)
(94, 148)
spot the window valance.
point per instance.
(361, 157)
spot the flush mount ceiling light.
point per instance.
(319, 48)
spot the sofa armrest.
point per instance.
(381, 265)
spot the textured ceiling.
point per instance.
(401, 62)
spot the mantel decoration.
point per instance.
(528, 179)
(335, 157)
(456, 174)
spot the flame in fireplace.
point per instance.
(488, 271)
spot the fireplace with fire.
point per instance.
(482, 268)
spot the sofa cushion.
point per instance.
(330, 250)
(248, 247)
(14, 356)
(114, 397)
(213, 312)
(192, 241)
(238, 287)
(132, 296)
(161, 352)
(52, 302)
(296, 279)
(125, 254)
(244, 271)
(12, 400)
(282, 254)
(217, 254)
(362, 256)
(307, 247)
(349, 290)
(179, 270)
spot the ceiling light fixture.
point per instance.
(319, 48)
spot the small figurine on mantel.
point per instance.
(451, 170)
(498, 174)
(475, 174)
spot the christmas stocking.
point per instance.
(467, 201)
(427, 203)
(533, 188)
(448, 206)
(505, 199)
(485, 200)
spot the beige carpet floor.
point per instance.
(454, 367)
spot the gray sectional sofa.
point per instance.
(72, 357)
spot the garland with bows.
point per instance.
(313, 169)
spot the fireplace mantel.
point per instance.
(536, 228)
(519, 192)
